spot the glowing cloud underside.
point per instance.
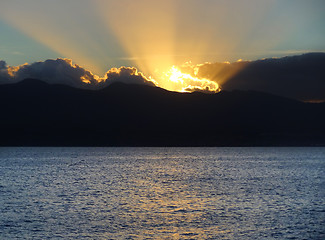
(175, 80)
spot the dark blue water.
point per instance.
(162, 193)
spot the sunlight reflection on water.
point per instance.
(162, 193)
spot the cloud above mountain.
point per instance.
(300, 77)
(127, 75)
(63, 71)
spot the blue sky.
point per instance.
(152, 35)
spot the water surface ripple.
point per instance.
(162, 193)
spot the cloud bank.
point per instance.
(300, 77)
(63, 71)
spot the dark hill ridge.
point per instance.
(34, 113)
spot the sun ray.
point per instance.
(154, 36)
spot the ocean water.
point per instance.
(162, 193)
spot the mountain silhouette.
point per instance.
(34, 113)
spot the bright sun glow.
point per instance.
(149, 35)
(175, 80)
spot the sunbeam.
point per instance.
(63, 30)
(158, 37)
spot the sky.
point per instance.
(154, 35)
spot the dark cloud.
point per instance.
(4, 73)
(127, 75)
(2, 65)
(300, 77)
(202, 90)
(63, 71)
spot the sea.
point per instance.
(162, 193)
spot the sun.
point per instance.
(175, 80)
